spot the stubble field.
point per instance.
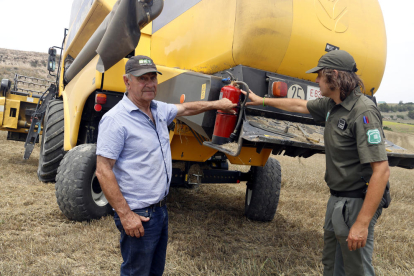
(208, 233)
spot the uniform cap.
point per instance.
(140, 65)
(338, 59)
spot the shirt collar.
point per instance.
(130, 106)
(352, 98)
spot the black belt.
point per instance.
(159, 204)
(359, 193)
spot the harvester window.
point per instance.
(13, 112)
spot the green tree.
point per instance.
(411, 114)
(384, 107)
(402, 108)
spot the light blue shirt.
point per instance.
(141, 149)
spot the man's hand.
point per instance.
(225, 105)
(357, 237)
(255, 100)
(132, 224)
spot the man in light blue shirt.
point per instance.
(134, 165)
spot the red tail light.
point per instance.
(97, 107)
(279, 89)
(100, 98)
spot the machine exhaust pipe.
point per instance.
(117, 36)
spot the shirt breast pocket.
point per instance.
(344, 139)
(163, 130)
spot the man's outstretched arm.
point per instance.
(194, 108)
(291, 105)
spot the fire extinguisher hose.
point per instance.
(242, 110)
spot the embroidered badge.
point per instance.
(366, 121)
(374, 136)
(327, 116)
(342, 124)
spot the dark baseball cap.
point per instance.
(337, 59)
(140, 65)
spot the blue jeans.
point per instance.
(145, 255)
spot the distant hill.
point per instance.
(31, 64)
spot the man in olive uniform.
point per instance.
(355, 157)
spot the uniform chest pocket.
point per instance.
(343, 138)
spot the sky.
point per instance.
(36, 25)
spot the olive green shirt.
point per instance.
(353, 139)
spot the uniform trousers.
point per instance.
(337, 259)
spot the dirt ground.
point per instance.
(208, 234)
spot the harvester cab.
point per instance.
(205, 50)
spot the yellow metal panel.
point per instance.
(144, 45)
(200, 39)
(168, 73)
(354, 26)
(9, 121)
(283, 36)
(262, 33)
(22, 98)
(147, 29)
(187, 148)
(249, 156)
(2, 107)
(74, 97)
(113, 80)
(99, 10)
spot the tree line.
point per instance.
(400, 107)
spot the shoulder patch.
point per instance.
(374, 136)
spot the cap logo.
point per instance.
(333, 14)
(145, 62)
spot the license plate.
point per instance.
(313, 93)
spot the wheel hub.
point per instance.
(249, 195)
(97, 193)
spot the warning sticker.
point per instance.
(203, 91)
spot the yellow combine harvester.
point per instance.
(201, 46)
(18, 104)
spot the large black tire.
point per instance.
(78, 192)
(51, 147)
(263, 191)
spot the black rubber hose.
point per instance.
(242, 110)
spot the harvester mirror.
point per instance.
(51, 64)
(5, 87)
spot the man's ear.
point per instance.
(126, 80)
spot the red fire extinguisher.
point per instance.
(225, 122)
